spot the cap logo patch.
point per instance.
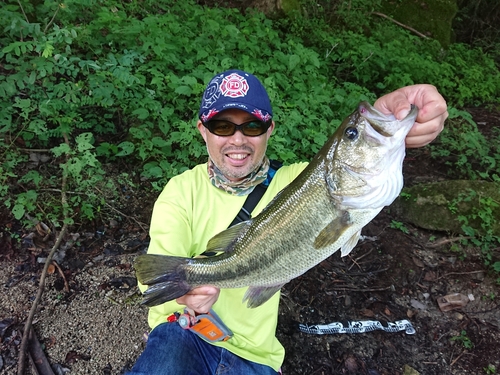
(234, 86)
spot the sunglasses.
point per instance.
(225, 128)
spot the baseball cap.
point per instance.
(235, 89)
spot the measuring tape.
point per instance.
(359, 326)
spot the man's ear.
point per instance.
(269, 130)
(202, 130)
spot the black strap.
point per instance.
(254, 197)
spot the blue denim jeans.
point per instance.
(173, 350)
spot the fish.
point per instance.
(347, 183)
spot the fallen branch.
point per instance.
(456, 359)
(401, 24)
(447, 240)
(21, 364)
(37, 356)
(27, 325)
(356, 289)
(458, 273)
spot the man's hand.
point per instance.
(200, 299)
(431, 115)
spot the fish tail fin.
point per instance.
(164, 275)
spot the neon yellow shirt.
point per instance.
(190, 211)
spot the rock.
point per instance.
(431, 18)
(408, 370)
(428, 205)
(452, 301)
(417, 305)
(271, 7)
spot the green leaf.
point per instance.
(126, 148)
(159, 142)
(47, 49)
(22, 103)
(141, 113)
(84, 141)
(293, 61)
(62, 149)
(184, 90)
(18, 211)
(31, 79)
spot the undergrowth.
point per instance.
(86, 84)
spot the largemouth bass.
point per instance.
(356, 173)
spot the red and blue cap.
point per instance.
(235, 89)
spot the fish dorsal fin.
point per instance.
(350, 244)
(225, 240)
(333, 230)
(257, 295)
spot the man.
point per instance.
(235, 121)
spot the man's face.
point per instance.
(237, 155)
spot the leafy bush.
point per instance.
(85, 84)
(466, 150)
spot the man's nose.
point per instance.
(238, 138)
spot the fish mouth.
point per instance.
(387, 125)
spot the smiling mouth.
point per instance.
(237, 156)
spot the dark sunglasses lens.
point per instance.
(254, 128)
(222, 128)
(226, 128)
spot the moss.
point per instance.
(432, 17)
(428, 205)
(290, 5)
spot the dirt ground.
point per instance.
(89, 320)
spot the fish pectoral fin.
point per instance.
(333, 231)
(350, 244)
(257, 295)
(225, 240)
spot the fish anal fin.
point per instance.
(225, 240)
(333, 231)
(350, 244)
(257, 295)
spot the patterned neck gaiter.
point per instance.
(243, 187)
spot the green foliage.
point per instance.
(86, 84)
(476, 23)
(471, 156)
(400, 226)
(467, 151)
(463, 339)
(490, 369)
(483, 216)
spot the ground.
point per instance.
(89, 320)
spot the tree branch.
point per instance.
(21, 364)
(400, 24)
(22, 10)
(52, 20)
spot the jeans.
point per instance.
(173, 350)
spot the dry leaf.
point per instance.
(51, 269)
(367, 312)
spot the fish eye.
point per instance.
(351, 133)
